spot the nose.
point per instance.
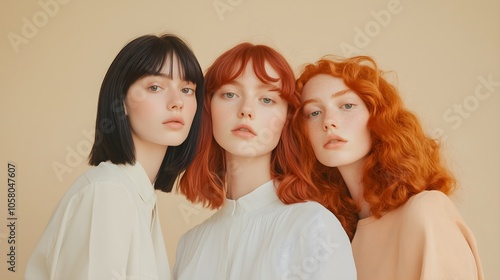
(175, 101)
(329, 123)
(246, 111)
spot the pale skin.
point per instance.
(160, 111)
(336, 122)
(248, 117)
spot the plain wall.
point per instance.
(54, 55)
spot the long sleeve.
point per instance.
(260, 237)
(110, 232)
(95, 235)
(179, 257)
(104, 227)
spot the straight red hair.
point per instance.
(204, 181)
(403, 161)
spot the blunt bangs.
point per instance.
(151, 55)
(237, 58)
(144, 56)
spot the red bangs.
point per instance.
(231, 64)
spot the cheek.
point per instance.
(313, 133)
(217, 116)
(190, 106)
(135, 98)
(217, 123)
(362, 127)
(362, 135)
(140, 102)
(137, 110)
(316, 146)
(276, 125)
(276, 118)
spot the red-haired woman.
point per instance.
(374, 155)
(248, 166)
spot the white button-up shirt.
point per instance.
(105, 227)
(259, 237)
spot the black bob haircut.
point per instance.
(142, 57)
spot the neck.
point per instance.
(353, 175)
(150, 157)
(246, 174)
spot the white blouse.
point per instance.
(259, 237)
(105, 227)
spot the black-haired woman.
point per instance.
(106, 225)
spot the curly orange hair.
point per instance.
(204, 181)
(403, 161)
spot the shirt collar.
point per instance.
(140, 180)
(262, 196)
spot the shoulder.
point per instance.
(208, 226)
(310, 209)
(104, 172)
(104, 179)
(103, 183)
(311, 216)
(428, 202)
(199, 235)
(317, 236)
(429, 208)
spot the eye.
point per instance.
(267, 100)
(229, 95)
(189, 91)
(154, 88)
(314, 114)
(311, 111)
(347, 106)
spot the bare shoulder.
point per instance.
(428, 200)
(428, 207)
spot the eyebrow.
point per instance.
(167, 76)
(161, 75)
(261, 85)
(342, 92)
(335, 94)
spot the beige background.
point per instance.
(54, 55)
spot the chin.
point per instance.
(330, 163)
(173, 142)
(176, 143)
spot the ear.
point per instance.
(125, 108)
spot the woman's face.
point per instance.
(160, 109)
(248, 115)
(336, 121)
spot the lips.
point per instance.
(334, 141)
(174, 122)
(244, 130)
